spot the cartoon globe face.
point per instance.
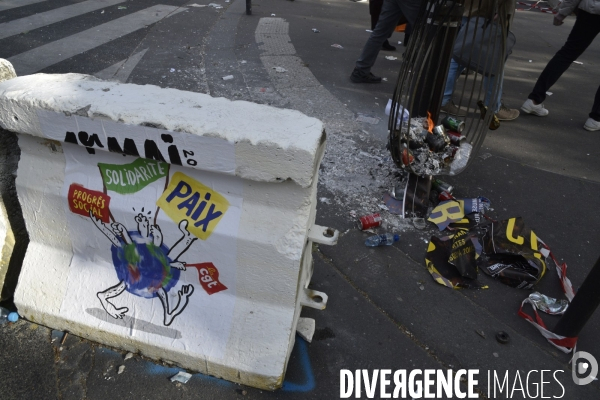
(143, 266)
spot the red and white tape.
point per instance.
(562, 343)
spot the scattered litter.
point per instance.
(102, 12)
(448, 212)
(315, 30)
(496, 355)
(530, 60)
(547, 304)
(337, 46)
(325, 200)
(384, 79)
(384, 239)
(421, 287)
(367, 120)
(485, 156)
(172, 70)
(399, 42)
(419, 223)
(368, 221)
(397, 192)
(197, 5)
(391, 58)
(402, 113)
(121, 369)
(442, 271)
(516, 263)
(7, 315)
(272, 15)
(215, 5)
(122, 8)
(480, 333)
(578, 62)
(181, 376)
(549, 93)
(368, 30)
(243, 62)
(395, 206)
(227, 78)
(502, 337)
(279, 69)
(128, 356)
(64, 338)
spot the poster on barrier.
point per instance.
(154, 243)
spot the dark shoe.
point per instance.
(452, 109)
(507, 114)
(387, 46)
(359, 76)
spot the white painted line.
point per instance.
(53, 16)
(120, 71)
(41, 57)
(8, 4)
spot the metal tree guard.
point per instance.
(417, 139)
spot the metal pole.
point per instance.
(443, 26)
(248, 7)
(582, 307)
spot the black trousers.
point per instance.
(585, 30)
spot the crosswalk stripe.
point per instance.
(120, 71)
(8, 4)
(50, 17)
(41, 57)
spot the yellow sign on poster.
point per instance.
(187, 199)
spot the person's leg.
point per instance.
(453, 72)
(582, 35)
(490, 84)
(595, 114)
(593, 122)
(375, 11)
(388, 19)
(390, 12)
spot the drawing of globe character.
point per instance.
(145, 266)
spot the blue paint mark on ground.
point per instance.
(155, 369)
(301, 349)
(309, 378)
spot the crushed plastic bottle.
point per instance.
(7, 315)
(461, 158)
(385, 239)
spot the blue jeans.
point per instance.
(488, 83)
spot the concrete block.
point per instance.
(167, 223)
(7, 243)
(6, 70)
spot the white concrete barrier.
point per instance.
(167, 223)
(7, 243)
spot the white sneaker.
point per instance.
(591, 125)
(530, 108)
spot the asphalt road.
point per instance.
(384, 309)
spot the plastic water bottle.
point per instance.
(7, 315)
(385, 239)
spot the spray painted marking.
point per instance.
(309, 378)
(50, 17)
(41, 57)
(120, 71)
(8, 4)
